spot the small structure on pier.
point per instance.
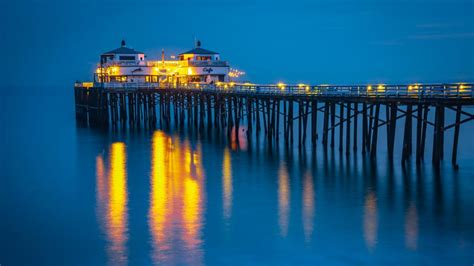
(122, 65)
(125, 65)
(202, 66)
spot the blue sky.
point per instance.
(387, 41)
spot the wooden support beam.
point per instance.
(314, 122)
(371, 123)
(290, 120)
(392, 125)
(406, 150)
(257, 115)
(305, 120)
(419, 121)
(456, 137)
(437, 136)
(373, 151)
(333, 122)
(348, 129)
(325, 125)
(423, 131)
(300, 125)
(341, 126)
(356, 113)
(277, 129)
(365, 139)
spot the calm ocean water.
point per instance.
(77, 196)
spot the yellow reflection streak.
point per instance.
(158, 196)
(227, 184)
(117, 218)
(283, 199)
(192, 214)
(308, 205)
(370, 220)
(100, 182)
(112, 202)
(176, 201)
(411, 227)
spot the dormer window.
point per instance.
(126, 57)
(203, 58)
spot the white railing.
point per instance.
(418, 91)
(197, 63)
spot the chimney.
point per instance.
(123, 43)
(198, 43)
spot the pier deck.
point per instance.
(288, 112)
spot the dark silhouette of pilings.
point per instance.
(293, 119)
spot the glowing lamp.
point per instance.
(463, 88)
(87, 84)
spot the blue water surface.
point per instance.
(71, 195)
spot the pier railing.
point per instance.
(416, 91)
(464, 90)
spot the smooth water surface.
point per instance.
(78, 196)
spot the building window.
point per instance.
(203, 58)
(126, 57)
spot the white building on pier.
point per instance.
(126, 65)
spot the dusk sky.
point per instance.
(52, 42)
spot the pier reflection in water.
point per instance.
(214, 203)
(227, 184)
(309, 199)
(112, 202)
(283, 199)
(176, 201)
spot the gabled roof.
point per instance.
(123, 50)
(198, 51)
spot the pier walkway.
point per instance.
(289, 112)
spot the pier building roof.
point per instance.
(198, 50)
(123, 50)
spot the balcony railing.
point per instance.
(204, 63)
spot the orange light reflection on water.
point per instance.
(283, 199)
(175, 215)
(227, 184)
(411, 227)
(112, 197)
(370, 220)
(308, 205)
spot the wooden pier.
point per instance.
(353, 114)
